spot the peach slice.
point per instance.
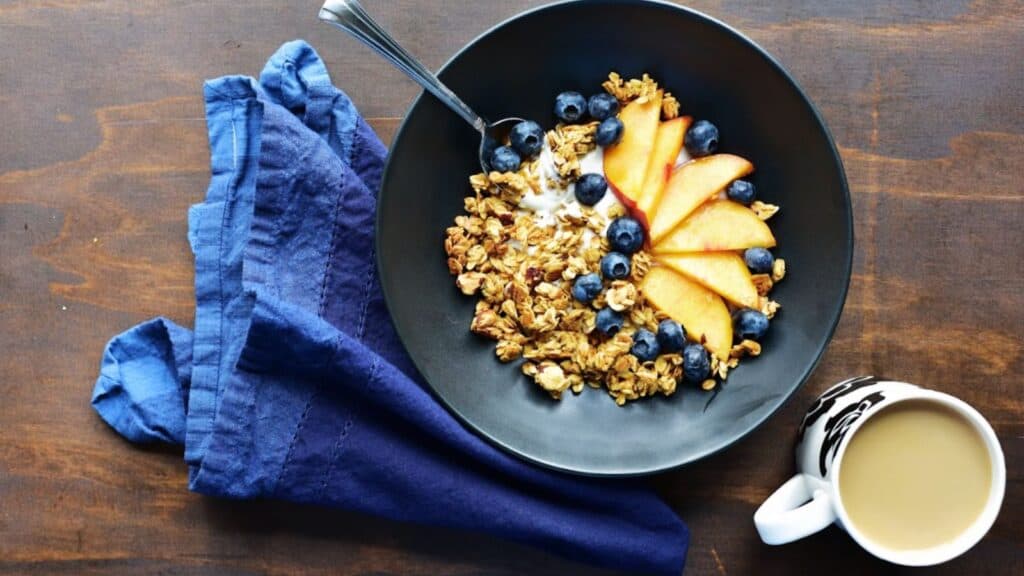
(667, 145)
(716, 226)
(722, 272)
(690, 186)
(699, 310)
(625, 164)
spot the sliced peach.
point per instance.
(625, 164)
(690, 186)
(721, 272)
(698, 309)
(717, 226)
(667, 145)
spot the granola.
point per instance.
(644, 87)
(763, 283)
(764, 211)
(522, 272)
(519, 250)
(569, 143)
(778, 270)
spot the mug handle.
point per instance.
(792, 513)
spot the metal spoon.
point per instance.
(350, 17)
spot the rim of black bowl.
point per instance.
(836, 312)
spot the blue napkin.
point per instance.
(294, 385)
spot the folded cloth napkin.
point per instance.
(294, 385)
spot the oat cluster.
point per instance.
(569, 143)
(763, 210)
(636, 88)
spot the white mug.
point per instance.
(810, 500)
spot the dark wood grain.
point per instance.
(103, 147)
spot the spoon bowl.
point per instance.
(350, 16)
(495, 135)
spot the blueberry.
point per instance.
(602, 105)
(570, 106)
(671, 336)
(609, 322)
(615, 266)
(505, 159)
(645, 345)
(701, 139)
(590, 188)
(626, 235)
(696, 363)
(609, 132)
(586, 287)
(741, 191)
(527, 138)
(759, 260)
(750, 324)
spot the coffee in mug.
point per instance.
(915, 476)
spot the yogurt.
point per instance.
(682, 158)
(556, 197)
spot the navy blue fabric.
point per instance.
(294, 385)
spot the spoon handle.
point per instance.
(350, 17)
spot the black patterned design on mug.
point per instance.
(837, 426)
(826, 401)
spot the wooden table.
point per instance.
(103, 148)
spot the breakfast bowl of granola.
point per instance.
(654, 260)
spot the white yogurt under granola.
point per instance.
(558, 197)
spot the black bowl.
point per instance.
(516, 69)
